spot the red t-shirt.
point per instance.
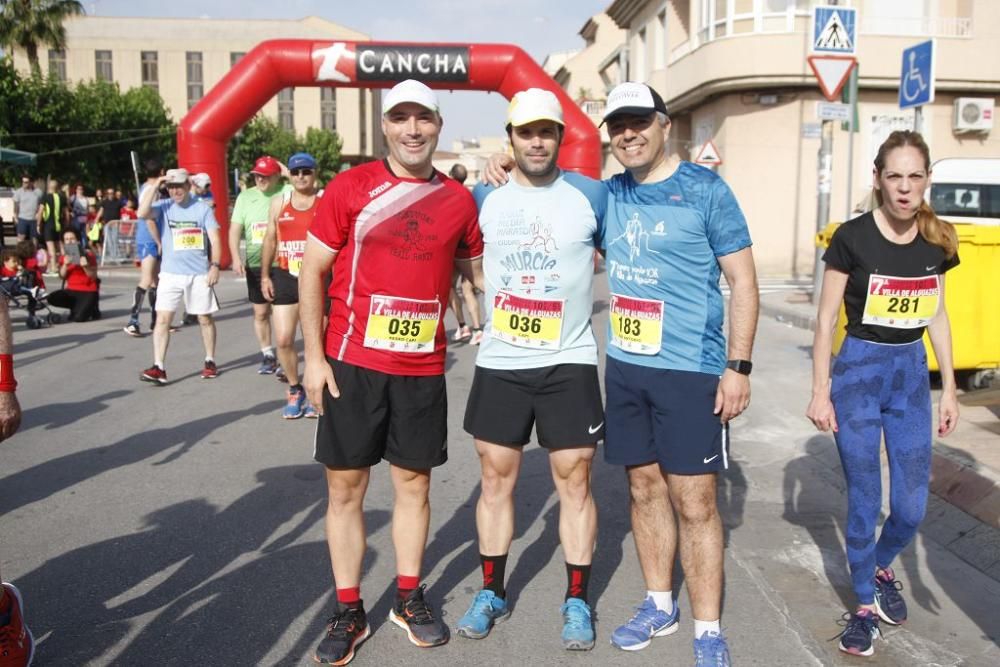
(7, 273)
(397, 240)
(127, 214)
(292, 227)
(76, 278)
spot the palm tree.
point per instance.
(30, 24)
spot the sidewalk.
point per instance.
(966, 467)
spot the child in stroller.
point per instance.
(20, 278)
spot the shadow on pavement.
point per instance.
(57, 415)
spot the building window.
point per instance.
(637, 68)
(660, 45)
(235, 57)
(195, 78)
(363, 117)
(150, 69)
(328, 108)
(102, 66)
(286, 109)
(57, 64)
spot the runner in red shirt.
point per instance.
(392, 232)
(288, 222)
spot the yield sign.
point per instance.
(709, 155)
(832, 73)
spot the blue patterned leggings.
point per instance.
(880, 389)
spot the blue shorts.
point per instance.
(663, 416)
(26, 228)
(144, 250)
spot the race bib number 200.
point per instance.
(188, 238)
(402, 325)
(636, 324)
(901, 303)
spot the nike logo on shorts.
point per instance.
(594, 429)
(710, 459)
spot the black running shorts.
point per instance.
(253, 286)
(562, 402)
(286, 287)
(400, 418)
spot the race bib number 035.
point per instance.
(636, 324)
(402, 325)
(188, 238)
(901, 303)
(535, 323)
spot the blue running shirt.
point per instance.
(663, 240)
(183, 234)
(539, 270)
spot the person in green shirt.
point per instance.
(249, 221)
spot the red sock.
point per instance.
(349, 597)
(405, 585)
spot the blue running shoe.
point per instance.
(889, 603)
(296, 406)
(711, 650)
(860, 632)
(486, 610)
(647, 623)
(311, 412)
(268, 365)
(578, 627)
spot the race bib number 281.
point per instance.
(901, 303)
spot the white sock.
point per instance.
(159, 364)
(267, 351)
(209, 359)
(664, 600)
(701, 627)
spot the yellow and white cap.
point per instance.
(534, 104)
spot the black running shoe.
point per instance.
(889, 604)
(416, 617)
(860, 632)
(344, 633)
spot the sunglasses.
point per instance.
(303, 172)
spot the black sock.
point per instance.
(151, 293)
(494, 568)
(577, 581)
(461, 324)
(295, 387)
(137, 299)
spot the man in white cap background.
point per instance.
(539, 357)
(392, 232)
(673, 380)
(188, 234)
(249, 221)
(202, 189)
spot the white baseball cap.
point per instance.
(534, 104)
(413, 91)
(201, 179)
(633, 98)
(177, 176)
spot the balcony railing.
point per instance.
(925, 26)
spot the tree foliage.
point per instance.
(263, 136)
(31, 24)
(82, 133)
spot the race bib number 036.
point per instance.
(188, 238)
(402, 325)
(902, 303)
(535, 323)
(636, 324)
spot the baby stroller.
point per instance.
(32, 299)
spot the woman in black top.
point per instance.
(887, 267)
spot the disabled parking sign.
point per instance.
(916, 78)
(835, 30)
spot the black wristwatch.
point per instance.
(216, 265)
(741, 366)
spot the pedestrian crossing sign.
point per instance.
(834, 30)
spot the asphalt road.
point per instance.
(184, 524)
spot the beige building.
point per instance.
(184, 58)
(735, 72)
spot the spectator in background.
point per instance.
(53, 217)
(147, 253)
(79, 208)
(78, 269)
(463, 334)
(202, 189)
(27, 199)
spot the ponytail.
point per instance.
(937, 231)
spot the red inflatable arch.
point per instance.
(277, 64)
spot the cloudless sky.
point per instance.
(539, 27)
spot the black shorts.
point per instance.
(50, 233)
(286, 287)
(253, 286)
(400, 418)
(563, 402)
(664, 416)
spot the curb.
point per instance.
(955, 479)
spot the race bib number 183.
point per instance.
(636, 324)
(901, 303)
(402, 325)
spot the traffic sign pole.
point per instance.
(824, 182)
(852, 101)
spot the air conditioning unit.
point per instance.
(973, 114)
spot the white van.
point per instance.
(966, 190)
